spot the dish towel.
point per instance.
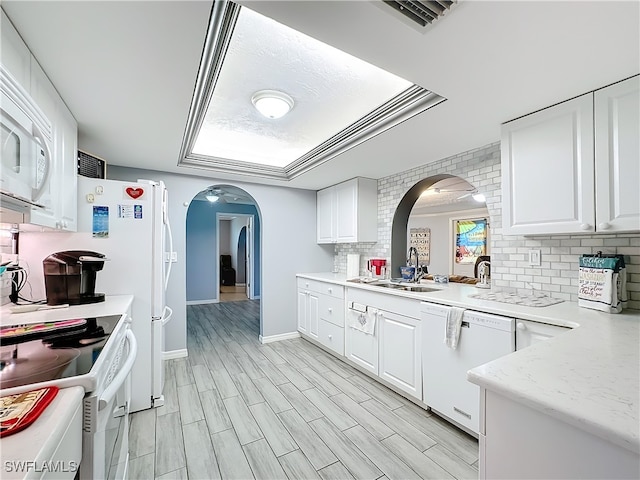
(453, 325)
(362, 318)
(602, 283)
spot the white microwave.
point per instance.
(25, 143)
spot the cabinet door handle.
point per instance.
(521, 326)
(462, 412)
(330, 310)
(330, 290)
(585, 226)
(330, 337)
(604, 226)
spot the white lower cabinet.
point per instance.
(331, 336)
(393, 351)
(528, 333)
(520, 442)
(308, 312)
(321, 312)
(362, 348)
(400, 352)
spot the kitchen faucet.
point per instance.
(416, 276)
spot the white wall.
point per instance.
(224, 239)
(288, 244)
(440, 249)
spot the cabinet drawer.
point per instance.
(331, 336)
(325, 288)
(332, 310)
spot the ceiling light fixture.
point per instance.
(212, 197)
(271, 103)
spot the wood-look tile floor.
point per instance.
(234, 293)
(236, 409)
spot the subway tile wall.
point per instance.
(558, 273)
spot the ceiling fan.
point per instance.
(214, 195)
(221, 195)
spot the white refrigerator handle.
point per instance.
(121, 376)
(168, 272)
(166, 315)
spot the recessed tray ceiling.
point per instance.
(339, 100)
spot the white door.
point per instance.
(249, 259)
(400, 352)
(547, 170)
(617, 144)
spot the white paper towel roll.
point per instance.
(353, 265)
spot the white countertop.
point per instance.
(52, 437)
(113, 305)
(588, 377)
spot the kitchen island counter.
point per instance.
(588, 377)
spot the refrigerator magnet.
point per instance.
(134, 193)
(125, 211)
(100, 222)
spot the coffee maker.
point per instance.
(70, 277)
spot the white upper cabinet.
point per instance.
(348, 212)
(14, 53)
(564, 172)
(67, 165)
(59, 193)
(326, 228)
(617, 147)
(547, 170)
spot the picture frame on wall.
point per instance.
(470, 240)
(420, 238)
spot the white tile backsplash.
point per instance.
(558, 272)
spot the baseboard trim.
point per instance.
(277, 338)
(202, 302)
(172, 354)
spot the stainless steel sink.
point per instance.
(406, 287)
(420, 288)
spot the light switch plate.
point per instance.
(534, 258)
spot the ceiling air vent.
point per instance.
(421, 12)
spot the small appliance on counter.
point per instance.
(484, 274)
(353, 265)
(70, 277)
(377, 266)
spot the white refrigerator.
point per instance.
(128, 222)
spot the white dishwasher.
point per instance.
(483, 337)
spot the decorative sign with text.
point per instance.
(420, 238)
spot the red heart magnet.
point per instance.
(134, 192)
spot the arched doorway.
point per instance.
(440, 209)
(216, 219)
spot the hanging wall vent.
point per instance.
(422, 12)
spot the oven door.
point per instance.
(105, 447)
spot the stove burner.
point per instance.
(53, 354)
